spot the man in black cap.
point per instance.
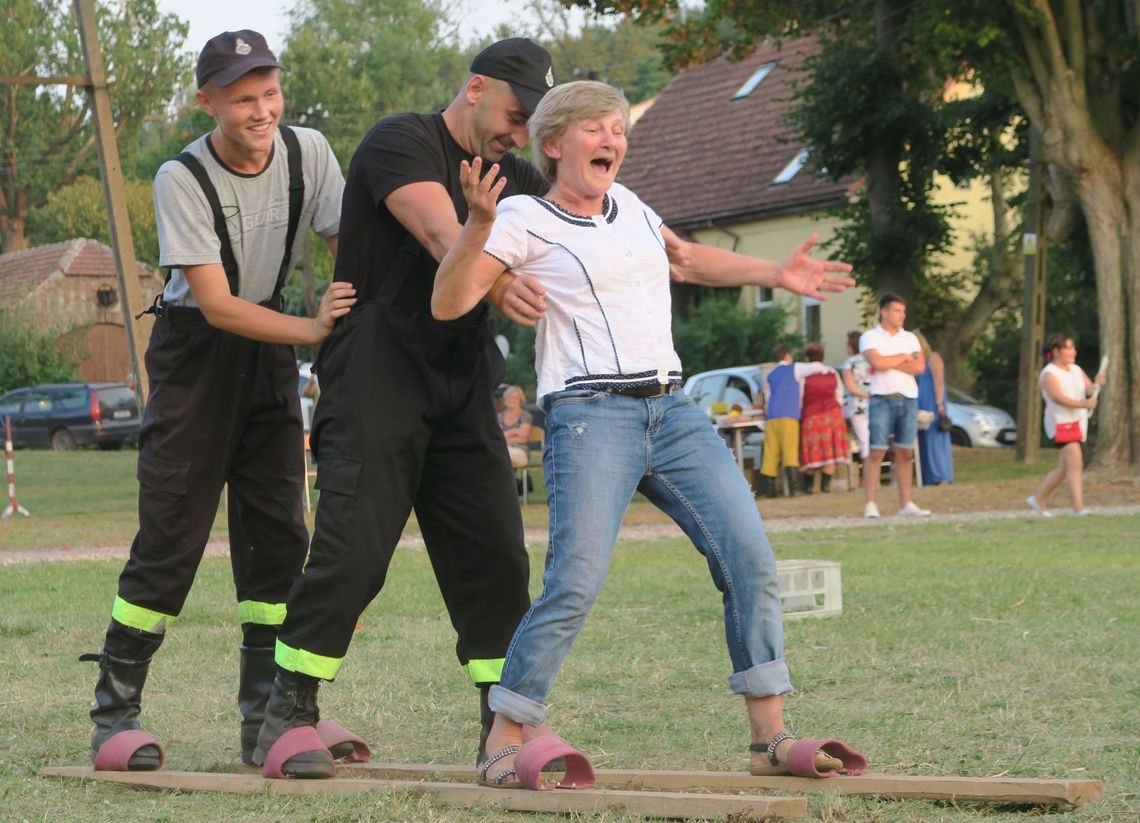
(224, 408)
(406, 420)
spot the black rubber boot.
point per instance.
(255, 682)
(486, 719)
(766, 486)
(791, 475)
(809, 483)
(824, 483)
(293, 703)
(118, 701)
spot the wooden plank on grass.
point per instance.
(1038, 791)
(669, 805)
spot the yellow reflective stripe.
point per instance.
(299, 660)
(264, 614)
(136, 617)
(481, 672)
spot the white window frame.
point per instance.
(793, 168)
(755, 80)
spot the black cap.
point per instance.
(520, 62)
(231, 54)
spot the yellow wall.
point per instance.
(841, 313)
(773, 239)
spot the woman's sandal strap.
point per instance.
(769, 748)
(495, 758)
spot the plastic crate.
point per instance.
(810, 588)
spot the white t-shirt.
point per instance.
(609, 313)
(890, 381)
(1072, 382)
(256, 207)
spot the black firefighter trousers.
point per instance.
(223, 409)
(407, 421)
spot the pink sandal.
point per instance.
(298, 741)
(540, 751)
(116, 753)
(343, 744)
(801, 757)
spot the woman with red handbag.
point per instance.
(1069, 397)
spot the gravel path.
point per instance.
(774, 525)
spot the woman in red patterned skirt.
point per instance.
(823, 431)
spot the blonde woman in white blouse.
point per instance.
(1069, 397)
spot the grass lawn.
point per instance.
(973, 649)
(90, 498)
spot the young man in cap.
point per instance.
(224, 407)
(406, 420)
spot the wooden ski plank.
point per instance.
(1040, 791)
(668, 805)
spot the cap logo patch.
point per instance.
(550, 77)
(243, 48)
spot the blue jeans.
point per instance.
(890, 414)
(600, 449)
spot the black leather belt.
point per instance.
(651, 390)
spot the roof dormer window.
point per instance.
(793, 167)
(754, 81)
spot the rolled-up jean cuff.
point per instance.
(518, 708)
(763, 680)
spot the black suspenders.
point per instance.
(296, 201)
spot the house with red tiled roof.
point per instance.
(70, 291)
(716, 158)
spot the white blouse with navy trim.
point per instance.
(607, 322)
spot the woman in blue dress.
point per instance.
(933, 444)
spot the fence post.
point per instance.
(13, 506)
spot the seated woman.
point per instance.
(515, 422)
(823, 431)
(618, 423)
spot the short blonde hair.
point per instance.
(566, 104)
(515, 390)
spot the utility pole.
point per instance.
(1033, 310)
(130, 294)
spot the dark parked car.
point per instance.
(67, 415)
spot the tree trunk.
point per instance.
(1102, 198)
(883, 162)
(12, 234)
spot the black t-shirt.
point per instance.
(399, 150)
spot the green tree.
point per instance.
(719, 332)
(352, 63)
(80, 210)
(1071, 309)
(46, 136)
(1076, 68)
(618, 52)
(31, 358)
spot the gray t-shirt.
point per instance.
(257, 214)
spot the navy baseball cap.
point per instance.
(232, 54)
(522, 63)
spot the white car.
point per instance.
(976, 424)
(304, 372)
(737, 385)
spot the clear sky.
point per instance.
(209, 17)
